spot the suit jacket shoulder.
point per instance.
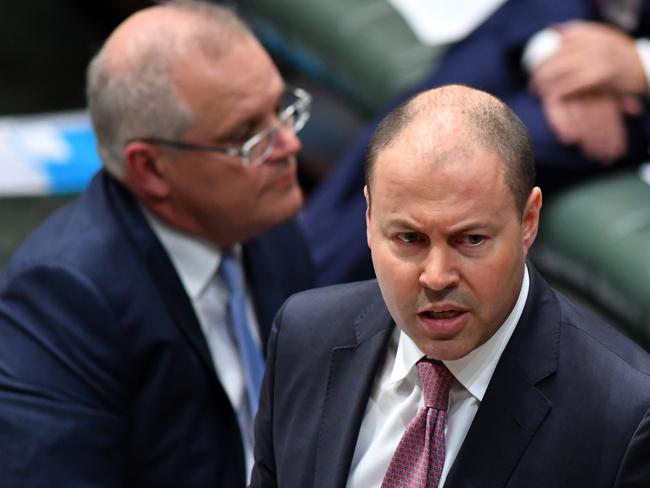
(343, 307)
(568, 389)
(325, 347)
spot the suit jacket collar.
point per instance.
(159, 266)
(513, 407)
(262, 267)
(352, 369)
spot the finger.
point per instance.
(602, 131)
(565, 74)
(560, 122)
(567, 80)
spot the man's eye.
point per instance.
(472, 240)
(243, 132)
(407, 237)
(280, 108)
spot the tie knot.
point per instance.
(436, 380)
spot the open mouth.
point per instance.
(446, 314)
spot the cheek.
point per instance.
(211, 180)
(496, 283)
(385, 264)
(234, 187)
(397, 278)
(220, 199)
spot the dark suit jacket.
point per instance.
(488, 59)
(568, 405)
(105, 376)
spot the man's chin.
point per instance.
(285, 208)
(445, 349)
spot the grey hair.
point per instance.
(141, 100)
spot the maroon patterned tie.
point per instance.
(420, 454)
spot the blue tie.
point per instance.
(249, 352)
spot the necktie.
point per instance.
(249, 352)
(420, 454)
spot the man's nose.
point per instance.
(439, 270)
(287, 143)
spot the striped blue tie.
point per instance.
(249, 352)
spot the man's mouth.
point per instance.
(445, 314)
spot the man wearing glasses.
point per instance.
(133, 322)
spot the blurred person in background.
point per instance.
(133, 322)
(576, 73)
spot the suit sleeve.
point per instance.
(634, 471)
(264, 470)
(62, 372)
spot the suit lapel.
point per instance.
(513, 408)
(160, 269)
(500, 433)
(352, 371)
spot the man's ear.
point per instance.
(530, 221)
(143, 172)
(366, 194)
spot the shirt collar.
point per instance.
(196, 260)
(475, 370)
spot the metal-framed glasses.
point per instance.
(292, 115)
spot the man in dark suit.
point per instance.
(532, 391)
(129, 348)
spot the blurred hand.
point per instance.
(592, 56)
(593, 121)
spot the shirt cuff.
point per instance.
(539, 47)
(643, 50)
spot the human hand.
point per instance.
(591, 56)
(594, 122)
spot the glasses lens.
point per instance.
(296, 113)
(261, 146)
(293, 117)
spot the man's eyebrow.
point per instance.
(466, 227)
(472, 226)
(245, 125)
(240, 129)
(253, 120)
(399, 222)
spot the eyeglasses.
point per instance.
(292, 115)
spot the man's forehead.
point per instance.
(430, 132)
(449, 195)
(448, 164)
(235, 84)
(422, 146)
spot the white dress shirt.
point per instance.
(396, 399)
(197, 262)
(441, 22)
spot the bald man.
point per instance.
(133, 322)
(458, 366)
